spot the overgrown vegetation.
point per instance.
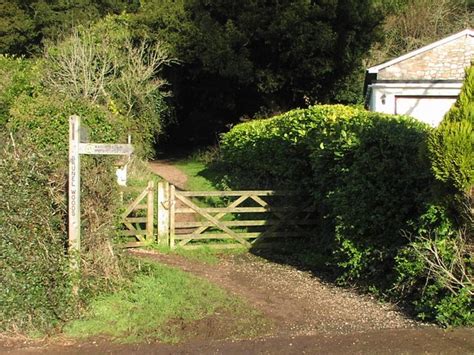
(113, 85)
(385, 222)
(411, 24)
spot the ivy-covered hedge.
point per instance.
(35, 292)
(368, 173)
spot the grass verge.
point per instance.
(159, 304)
(197, 173)
(204, 254)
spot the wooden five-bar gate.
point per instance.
(218, 219)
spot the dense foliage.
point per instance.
(26, 25)
(251, 58)
(36, 99)
(33, 267)
(238, 58)
(371, 179)
(452, 143)
(411, 24)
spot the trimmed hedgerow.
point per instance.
(375, 180)
(274, 152)
(365, 170)
(370, 176)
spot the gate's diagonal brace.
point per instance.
(132, 228)
(217, 216)
(216, 222)
(135, 203)
(130, 208)
(282, 218)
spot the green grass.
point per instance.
(139, 174)
(204, 254)
(148, 308)
(195, 171)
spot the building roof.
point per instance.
(375, 69)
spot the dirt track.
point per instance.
(167, 171)
(308, 316)
(297, 302)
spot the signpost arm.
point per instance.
(74, 186)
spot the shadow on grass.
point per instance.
(311, 254)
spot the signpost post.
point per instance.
(74, 194)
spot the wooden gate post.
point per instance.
(172, 215)
(163, 213)
(150, 214)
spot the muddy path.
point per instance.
(308, 316)
(170, 173)
(295, 301)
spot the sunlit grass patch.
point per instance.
(203, 254)
(195, 172)
(145, 310)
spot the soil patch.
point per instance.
(170, 173)
(309, 316)
(295, 301)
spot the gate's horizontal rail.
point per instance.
(213, 246)
(131, 233)
(135, 219)
(239, 223)
(233, 193)
(140, 207)
(242, 235)
(244, 209)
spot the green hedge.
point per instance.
(35, 293)
(35, 290)
(274, 152)
(365, 170)
(373, 178)
(370, 176)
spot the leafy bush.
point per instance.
(435, 271)
(452, 143)
(370, 176)
(34, 279)
(35, 285)
(18, 76)
(375, 179)
(46, 121)
(274, 152)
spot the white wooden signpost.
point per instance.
(76, 147)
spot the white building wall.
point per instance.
(427, 102)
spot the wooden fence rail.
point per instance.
(225, 219)
(139, 226)
(246, 221)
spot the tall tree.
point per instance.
(25, 24)
(411, 24)
(242, 57)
